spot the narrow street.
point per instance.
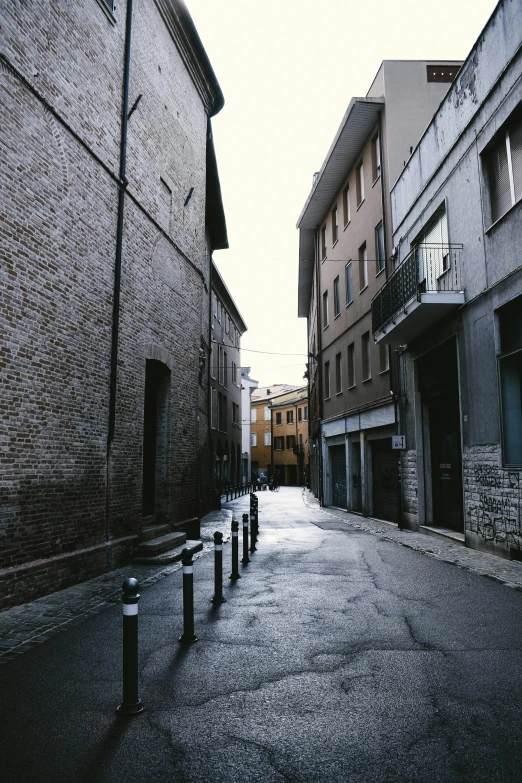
(338, 656)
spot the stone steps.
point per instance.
(160, 544)
(153, 531)
(170, 555)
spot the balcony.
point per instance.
(424, 288)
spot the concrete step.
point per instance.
(171, 556)
(153, 531)
(155, 546)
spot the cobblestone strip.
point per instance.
(505, 572)
(24, 627)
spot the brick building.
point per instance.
(111, 209)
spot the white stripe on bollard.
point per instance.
(219, 547)
(130, 609)
(235, 534)
(188, 569)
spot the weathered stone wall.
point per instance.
(409, 485)
(67, 512)
(492, 499)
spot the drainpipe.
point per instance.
(272, 440)
(209, 386)
(319, 366)
(122, 185)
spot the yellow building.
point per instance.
(279, 433)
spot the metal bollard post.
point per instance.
(235, 555)
(246, 558)
(131, 704)
(218, 569)
(253, 533)
(188, 598)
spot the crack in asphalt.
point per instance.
(272, 756)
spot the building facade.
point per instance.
(110, 212)
(261, 426)
(289, 436)
(248, 385)
(227, 326)
(344, 246)
(455, 312)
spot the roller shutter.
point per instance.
(384, 479)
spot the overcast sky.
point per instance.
(288, 69)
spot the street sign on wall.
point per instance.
(398, 441)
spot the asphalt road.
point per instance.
(338, 657)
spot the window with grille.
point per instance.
(338, 374)
(349, 286)
(503, 160)
(335, 226)
(366, 356)
(337, 298)
(327, 380)
(351, 365)
(346, 205)
(363, 267)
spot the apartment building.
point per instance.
(452, 307)
(345, 243)
(261, 426)
(227, 327)
(289, 436)
(248, 386)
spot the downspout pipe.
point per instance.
(319, 366)
(213, 499)
(122, 185)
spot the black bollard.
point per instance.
(246, 558)
(131, 704)
(253, 534)
(218, 569)
(235, 554)
(188, 598)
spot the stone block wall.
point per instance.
(410, 499)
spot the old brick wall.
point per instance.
(68, 512)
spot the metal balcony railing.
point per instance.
(426, 269)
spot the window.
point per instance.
(214, 307)
(379, 247)
(213, 359)
(335, 226)
(290, 441)
(305, 412)
(278, 417)
(225, 370)
(325, 309)
(510, 371)
(376, 157)
(221, 366)
(432, 249)
(213, 408)
(267, 438)
(222, 412)
(359, 184)
(289, 417)
(234, 373)
(338, 374)
(351, 365)
(337, 303)
(253, 415)
(504, 165)
(363, 267)
(323, 242)
(299, 414)
(346, 205)
(108, 4)
(366, 356)
(235, 413)
(327, 380)
(267, 414)
(253, 439)
(227, 322)
(349, 287)
(279, 443)
(219, 309)
(384, 357)
(442, 73)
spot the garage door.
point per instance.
(385, 480)
(337, 455)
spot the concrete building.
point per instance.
(453, 306)
(344, 246)
(111, 209)
(227, 327)
(248, 385)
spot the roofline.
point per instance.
(184, 34)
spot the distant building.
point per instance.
(345, 246)
(248, 385)
(452, 308)
(225, 387)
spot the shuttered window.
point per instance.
(327, 380)
(349, 287)
(337, 302)
(338, 374)
(504, 167)
(351, 365)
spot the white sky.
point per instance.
(288, 69)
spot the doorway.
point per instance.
(438, 381)
(355, 471)
(155, 437)
(338, 462)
